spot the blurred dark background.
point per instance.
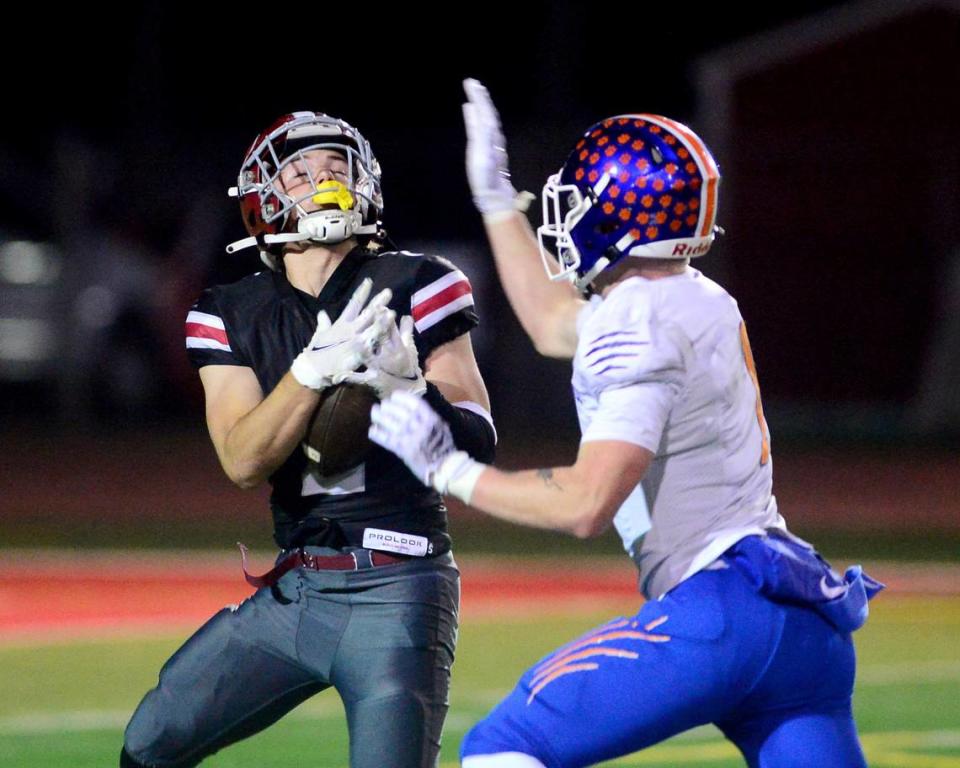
(835, 126)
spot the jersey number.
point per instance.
(752, 370)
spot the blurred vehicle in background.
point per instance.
(92, 335)
(30, 279)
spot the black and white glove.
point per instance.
(487, 163)
(338, 349)
(407, 426)
(395, 366)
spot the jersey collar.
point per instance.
(335, 293)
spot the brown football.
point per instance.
(337, 433)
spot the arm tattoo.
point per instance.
(547, 476)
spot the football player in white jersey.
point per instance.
(745, 626)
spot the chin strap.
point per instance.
(330, 226)
(239, 245)
(321, 227)
(582, 283)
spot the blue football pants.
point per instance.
(777, 680)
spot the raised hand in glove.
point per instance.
(407, 426)
(338, 349)
(395, 365)
(487, 168)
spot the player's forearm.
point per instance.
(263, 439)
(546, 309)
(560, 499)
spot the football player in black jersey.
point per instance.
(365, 593)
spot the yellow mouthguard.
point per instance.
(333, 192)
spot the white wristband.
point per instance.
(305, 374)
(457, 475)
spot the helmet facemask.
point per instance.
(564, 207)
(327, 210)
(343, 200)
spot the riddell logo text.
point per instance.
(682, 249)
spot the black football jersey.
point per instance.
(263, 322)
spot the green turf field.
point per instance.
(66, 704)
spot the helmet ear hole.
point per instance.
(606, 227)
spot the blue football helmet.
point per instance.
(634, 185)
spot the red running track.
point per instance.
(45, 600)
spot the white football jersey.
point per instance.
(665, 364)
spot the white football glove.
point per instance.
(337, 349)
(487, 167)
(406, 425)
(395, 365)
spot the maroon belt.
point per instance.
(299, 558)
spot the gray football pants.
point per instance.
(384, 637)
